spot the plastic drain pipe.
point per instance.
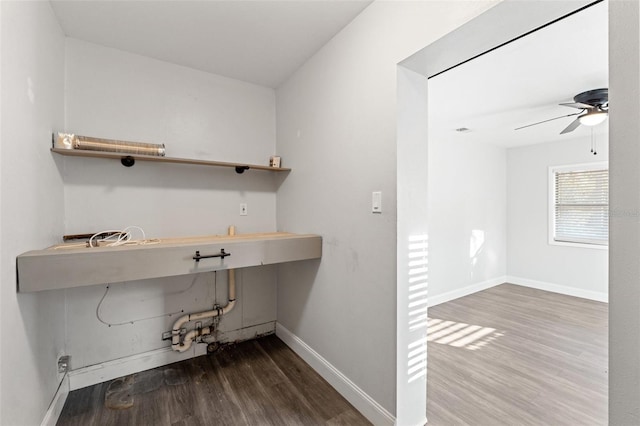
(182, 345)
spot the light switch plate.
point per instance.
(243, 209)
(376, 202)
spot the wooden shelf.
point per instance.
(240, 167)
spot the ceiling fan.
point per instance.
(594, 106)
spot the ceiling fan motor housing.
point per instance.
(594, 97)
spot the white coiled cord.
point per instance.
(119, 238)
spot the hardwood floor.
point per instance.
(508, 355)
(258, 382)
(513, 355)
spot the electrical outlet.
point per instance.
(243, 209)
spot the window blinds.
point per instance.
(582, 207)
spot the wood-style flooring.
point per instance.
(513, 355)
(258, 382)
(508, 355)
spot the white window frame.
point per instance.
(552, 200)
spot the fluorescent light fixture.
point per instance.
(593, 117)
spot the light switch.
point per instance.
(243, 209)
(376, 202)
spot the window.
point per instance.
(580, 205)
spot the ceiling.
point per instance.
(523, 83)
(261, 42)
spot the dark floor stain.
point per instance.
(119, 395)
(173, 377)
(147, 381)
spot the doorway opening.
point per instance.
(470, 230)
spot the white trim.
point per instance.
(94, 374)
(55, 408)
(373, 411)
(98, 373)
(465, 291)
(578, 245)
(557, 288)
(581, 167)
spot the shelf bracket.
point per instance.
(128, 161)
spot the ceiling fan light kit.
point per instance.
(593, 117)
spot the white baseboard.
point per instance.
(55, 408)
(369, 408)
(557, 288)
(94, 374)
(465, 291)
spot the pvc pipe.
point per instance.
(191, 336)
(232, 273)
(185, 344)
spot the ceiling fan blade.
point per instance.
(551, 119)
(578, 105)
(571, 127)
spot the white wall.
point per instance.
(32, 325)
(113, 94)
(531, 259)
(488, 220)
(467, 217)
(337, 130)
(118, 95)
